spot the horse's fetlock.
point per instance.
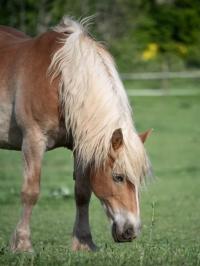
(83, 243)
(77, 244)
(23, 233)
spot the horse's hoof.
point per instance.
(93, 247)
(21, 248)
(19, 245)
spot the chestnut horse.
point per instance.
(61, 89)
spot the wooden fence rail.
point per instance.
(161, 75)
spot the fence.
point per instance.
(164, 79)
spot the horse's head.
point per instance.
(118, 195)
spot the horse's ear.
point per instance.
(143, 136)
(117, 139)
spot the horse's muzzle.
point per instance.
(127, 235)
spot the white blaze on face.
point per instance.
(124, 218)
(137, 201)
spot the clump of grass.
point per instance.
(152, 221)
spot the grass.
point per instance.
(169, 205)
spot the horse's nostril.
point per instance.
(129, 232)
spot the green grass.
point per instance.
(169, 237)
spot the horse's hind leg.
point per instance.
(82, 238)
(33, 149)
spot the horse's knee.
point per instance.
(29, 197)
(31, 189)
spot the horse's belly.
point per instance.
(10, 134)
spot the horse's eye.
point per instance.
(118, 178)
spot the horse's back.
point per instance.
(13, 32)
(10, 36)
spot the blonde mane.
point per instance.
(94, 102)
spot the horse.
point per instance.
(62, 89)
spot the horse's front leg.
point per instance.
(82, 238)
(32, 148)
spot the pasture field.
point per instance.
(170, 204)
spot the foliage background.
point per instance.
(142, 35)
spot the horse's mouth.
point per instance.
(116, 236)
